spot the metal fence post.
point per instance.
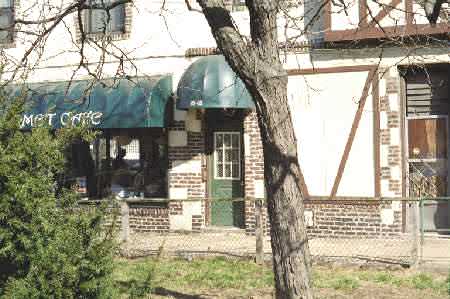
(421, 229)
(124, 221)
(259, 232)
(415, 228)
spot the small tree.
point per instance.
(49, 248)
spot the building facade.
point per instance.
(368, 91)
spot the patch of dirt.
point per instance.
(369, 290)
(366, 290)
(214, 294)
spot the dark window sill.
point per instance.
(110, 36)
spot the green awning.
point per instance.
(123, 103)
(210, 83)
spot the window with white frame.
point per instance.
(227, 155)
(6, 21)
(104, 17)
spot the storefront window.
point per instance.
(125, 164)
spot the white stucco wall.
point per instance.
(160, 30)
(323, 108)
(160, 36)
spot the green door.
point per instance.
(226, 179)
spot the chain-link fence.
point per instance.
(434, 230)
(399, 231)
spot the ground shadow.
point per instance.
(175, 294)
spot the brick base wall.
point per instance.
(344, 218)
(348, 219)
(340, 218)
(149, 218)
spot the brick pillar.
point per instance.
(253, 170)
(390, 141)
(185, 182)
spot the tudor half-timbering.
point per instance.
(372, 109)
(178, 130)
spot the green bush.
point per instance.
(49, 247)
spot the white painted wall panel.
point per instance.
(358, 178)
(347, 18)
(323, 109)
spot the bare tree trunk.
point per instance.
(258, 64)
(290, 250)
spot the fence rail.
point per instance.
(401, 231)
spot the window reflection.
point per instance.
(123, 164)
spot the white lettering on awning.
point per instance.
(85, 118)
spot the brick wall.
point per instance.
(188, 177)
(253, 156)
(148, 218)
(156, 217)
(187, 164)
(253, 170)
(347, 218)
(350, 218)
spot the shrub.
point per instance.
(49, 248)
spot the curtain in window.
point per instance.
(117, 23)
(101, 22)
(6, 3)
(6, 21)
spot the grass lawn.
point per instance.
(225, 278)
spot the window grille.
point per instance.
(227, 158)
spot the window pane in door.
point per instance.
(235, 170)
(427, 138)
(235, 155)
(227, 170)
(219, 170)
(228, 155)
(219, 140)
(235, 140)
(227, 140)
(219, 155)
